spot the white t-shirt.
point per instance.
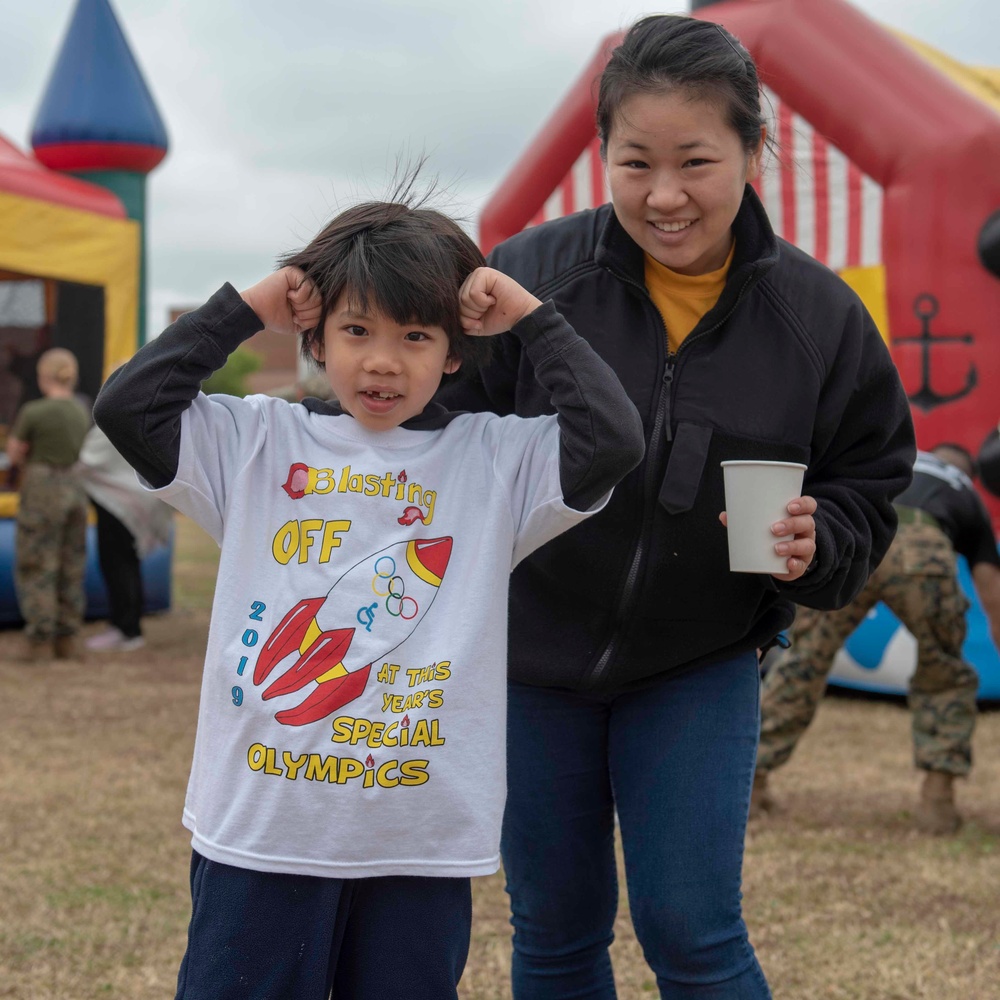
(365, 574)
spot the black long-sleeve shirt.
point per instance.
(141, 405)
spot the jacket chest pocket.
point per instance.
(697, 448)
(685, 467)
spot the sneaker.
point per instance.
(113, 640)
(110, 638)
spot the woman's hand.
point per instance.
(285, 301)
(801, 548)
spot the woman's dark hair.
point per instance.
(398, 258)
(668, 51)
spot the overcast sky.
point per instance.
(278, 112)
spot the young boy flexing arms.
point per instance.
(349, 763)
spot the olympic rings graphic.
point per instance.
(400, 613)
(406, 607)
(382, 574)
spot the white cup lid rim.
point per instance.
(753, 461)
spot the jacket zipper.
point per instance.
(625, 601)
(638, 554)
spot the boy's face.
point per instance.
(382, 373)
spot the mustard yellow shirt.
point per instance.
(683, 299)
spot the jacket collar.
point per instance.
(757, 250)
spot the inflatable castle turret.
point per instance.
(98, 120)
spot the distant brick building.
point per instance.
(279, 371)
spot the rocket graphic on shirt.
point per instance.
(366, 614)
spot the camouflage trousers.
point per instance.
(50, 552)
(918, 581)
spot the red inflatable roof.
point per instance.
(25, 176)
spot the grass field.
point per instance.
(843, 900)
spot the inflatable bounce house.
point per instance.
(887, 173)
(71, 247)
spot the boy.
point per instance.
(348, 772)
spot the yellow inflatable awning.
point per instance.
(47, 240)
(981, 82)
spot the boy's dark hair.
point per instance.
(667, 51)
(399, 258)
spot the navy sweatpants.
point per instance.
(265, 936)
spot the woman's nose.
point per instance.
(666, 193)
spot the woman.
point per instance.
(131, 523)
(634, 684)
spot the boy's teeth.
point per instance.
(671, 227)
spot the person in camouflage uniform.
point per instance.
(52, 513)
(939, 514)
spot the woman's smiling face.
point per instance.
(677, 172)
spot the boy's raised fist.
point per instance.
(285, 301)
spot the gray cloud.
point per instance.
(279, 112)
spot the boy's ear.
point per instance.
(452, 364)
(316, 349)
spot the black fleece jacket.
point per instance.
(787, 366)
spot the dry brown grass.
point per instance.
(842, 899)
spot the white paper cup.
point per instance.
(757, 495)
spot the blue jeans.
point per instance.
(265, 936)
(676, 760)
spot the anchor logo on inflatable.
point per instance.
(925, 308)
